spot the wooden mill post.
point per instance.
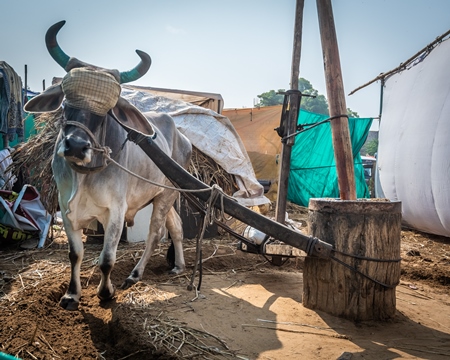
(359, 283)
(336, 99)
(292, 119)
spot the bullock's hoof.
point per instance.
(69, 303)
(106, 294)
(177, 270)
(129, 282)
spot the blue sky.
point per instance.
(238, 48)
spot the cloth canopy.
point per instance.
(413, 163)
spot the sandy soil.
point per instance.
(246, 308)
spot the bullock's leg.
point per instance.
(107, 259)
(175, 228)
(71, 299)
(162, 208)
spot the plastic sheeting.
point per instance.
(25, 213)
(256, 128)
(413, 163)
(313, 168)
(211, 133)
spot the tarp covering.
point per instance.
(256, 127)
(413, 163)
(211, 133)
(313, 168)
(207, 100)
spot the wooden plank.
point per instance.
(283, 250)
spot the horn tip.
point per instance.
(53, 30)
(144, 56)
(57, 26)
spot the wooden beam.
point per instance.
(336, 100)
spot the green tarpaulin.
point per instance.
(313, 168)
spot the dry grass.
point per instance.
(32, 160)
(208, 171)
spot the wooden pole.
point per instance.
(292, 118)
(26, 84)
(336, 100)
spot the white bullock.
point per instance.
(91, 187)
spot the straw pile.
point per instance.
(32, 162)
(207, 170)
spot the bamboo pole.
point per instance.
(336, 99)
(286, 150)
(403, 65)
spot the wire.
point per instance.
(362, 274)
(311, 126)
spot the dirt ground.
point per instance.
(246, 307)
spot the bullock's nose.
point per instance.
(76, 147)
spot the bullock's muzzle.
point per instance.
(75, 149)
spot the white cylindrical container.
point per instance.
(254, 235)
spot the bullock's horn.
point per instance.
(139, 71)
(52, 45)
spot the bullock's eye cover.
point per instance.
(96, 91)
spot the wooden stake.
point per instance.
(336, 99)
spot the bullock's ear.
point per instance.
(49, 100)
(132, 117)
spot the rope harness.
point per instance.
(96, 146)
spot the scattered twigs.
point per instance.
(296, 324)
(21, 281)
(44, 340)
(34, 333)
(338, 336)
(132, 354)
(32, 356)
(415, 294)
(185, 342)
(212, 255)
(437, 352)
(196, 294)
(232, 285)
